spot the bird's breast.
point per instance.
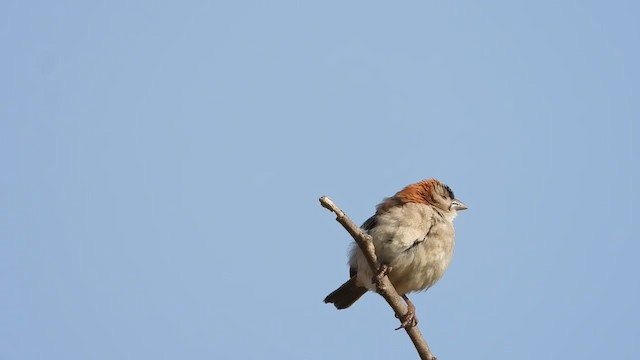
(421, 266)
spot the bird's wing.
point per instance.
(396, 232)
(370, 223)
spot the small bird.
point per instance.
(413, 235)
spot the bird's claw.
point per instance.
(383, 271)
(409, 320)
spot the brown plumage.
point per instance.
(421, 193)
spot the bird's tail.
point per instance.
(346, 294)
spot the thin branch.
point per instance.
(386, 289)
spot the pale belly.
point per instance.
(412, 271)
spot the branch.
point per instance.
(386, 289)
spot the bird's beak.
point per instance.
(458, 205)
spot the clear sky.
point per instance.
(162, 163)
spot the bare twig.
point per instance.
(385, 289)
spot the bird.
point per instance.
(413, 235)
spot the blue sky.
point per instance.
(162, 163)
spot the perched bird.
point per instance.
(413, 235)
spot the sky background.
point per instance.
(162, 164)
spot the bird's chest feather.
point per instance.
(415, 241)
(423, 264)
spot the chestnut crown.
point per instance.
(429, 192)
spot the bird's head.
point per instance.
(431, 192)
